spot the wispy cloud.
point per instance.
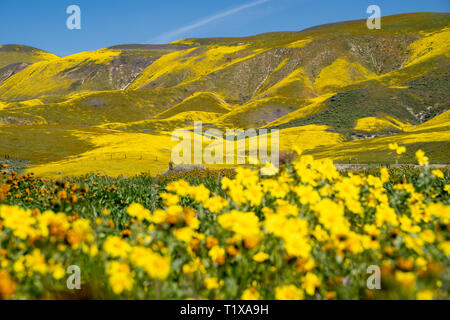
(175, 34)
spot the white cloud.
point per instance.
(175, 34)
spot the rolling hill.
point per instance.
(361, 87)
(15, 58)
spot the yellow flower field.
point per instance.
(306, 232)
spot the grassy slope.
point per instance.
(114, 153)
(104, 69)
(10, 54)
(432, 136)
(200, 101)
(42, 143)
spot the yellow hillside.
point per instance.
(375, 150)
(114, 153)
(373, 124)
(299, 43)
(181, 120)
(199, 101)
(308, 137)
(296, 84)
(339, 74)
(15, 54)
(3, 105)
(314, 105)
(198, 61)
(429, 46)
(44, 76)
(255, 113)
(440, 121)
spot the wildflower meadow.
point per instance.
(305, 231)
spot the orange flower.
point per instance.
(405, 264)
(194, 244)
(232, 251)
(211, 242)
(389, 250)
(217, 254)
(126, 233)
(62, 195)
(330, 295)
(251, 241)
(4, 189)
(7, 285)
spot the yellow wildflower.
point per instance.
(425, 295)
(242, 223)
(120, 277)
(288, 292)
(184, 234)
(159, 216)
(310, 282)
(421, 158)
(215, 204)
(407, 279)
(217, 254)
(250, 294)
(261, 257)
(137, 211)
(438, 173)
(116, 247)
(58, 272)
(212, 283)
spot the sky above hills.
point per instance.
(104, 23)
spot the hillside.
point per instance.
(355, 82)
(15, 58)
(12, 54)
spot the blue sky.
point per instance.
(42, 23)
